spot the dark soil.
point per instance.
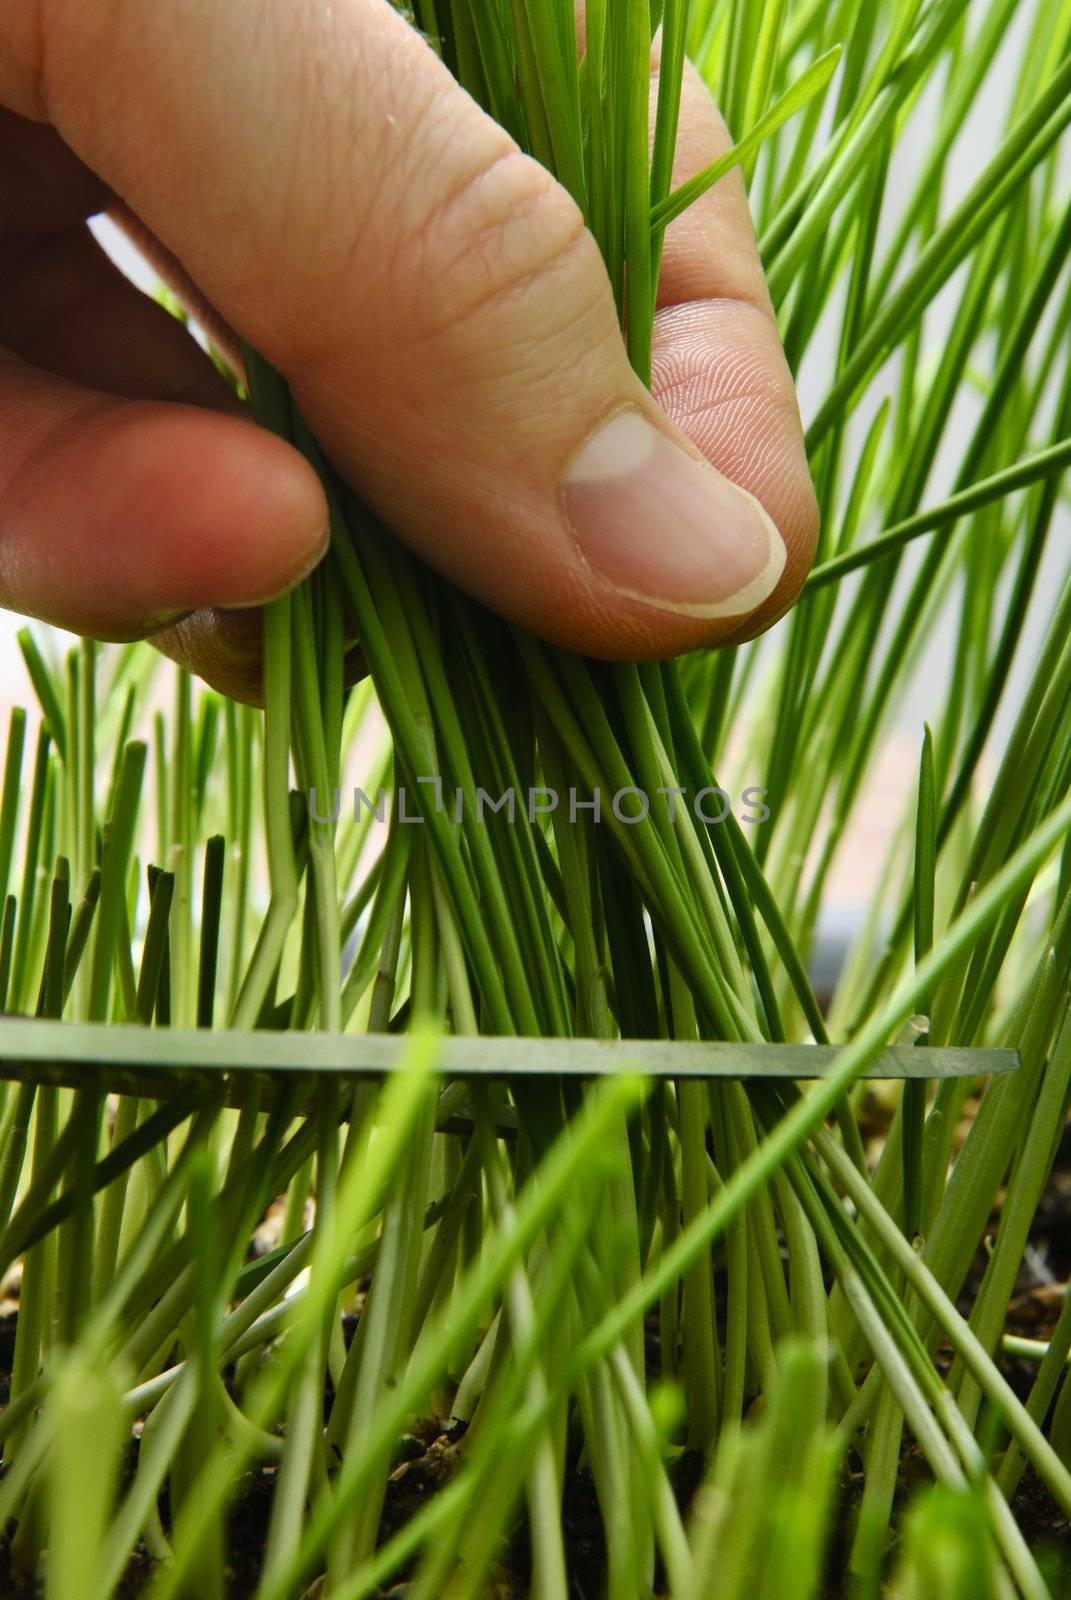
(427, 1457)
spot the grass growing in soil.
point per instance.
(677, 1337)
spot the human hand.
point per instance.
(314, 175)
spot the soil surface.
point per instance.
(427, 1457)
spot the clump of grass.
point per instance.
(610, 1278)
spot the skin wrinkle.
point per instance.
(460, 236)
(250, 279)
(630, 635)
(497, 297)
(364, 252)
(688, 280)
(689, 272)
(302, 35)
(738, 434)
(689, 390)
(519, 358)
(717, 362)
(693, 402)
(452, 165)
(725, 390)
(391, 163)
(107, 117)
(464, 370)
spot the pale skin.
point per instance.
(313, 180)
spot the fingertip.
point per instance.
(720, 374)
(154, 510)
(237, 516)
(118, 515)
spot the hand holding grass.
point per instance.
(441, 314)
(589, 1283)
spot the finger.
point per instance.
(45, 187)
(441, 313)
(718, 364)
(118, 515)
(226, 344)
(224, 648)
(66, 307)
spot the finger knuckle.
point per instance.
(506, 231)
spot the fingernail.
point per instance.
(665, 528)
(164, 619)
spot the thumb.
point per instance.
(432, 296)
